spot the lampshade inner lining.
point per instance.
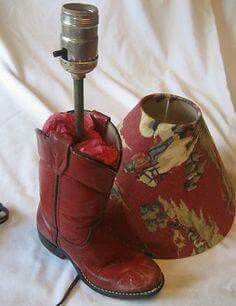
(170, 109)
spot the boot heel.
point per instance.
(51, 247)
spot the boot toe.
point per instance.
(143, 277)
(138, 274)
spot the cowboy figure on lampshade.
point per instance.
(173, 147)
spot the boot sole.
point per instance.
(115, 294)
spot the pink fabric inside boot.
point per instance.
(92, 143)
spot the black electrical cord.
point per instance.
(4, 213)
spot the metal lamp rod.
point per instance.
(79, 107)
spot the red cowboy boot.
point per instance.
(74, 190)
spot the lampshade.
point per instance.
(172, 197)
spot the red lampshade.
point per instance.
(172, 197)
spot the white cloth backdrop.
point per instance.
(179, 46)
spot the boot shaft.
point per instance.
(74, 188)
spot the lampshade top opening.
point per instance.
(171, 109)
